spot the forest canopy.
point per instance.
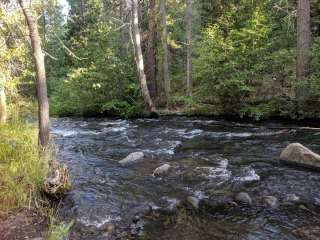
(223, 57)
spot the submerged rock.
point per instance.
(193, 201)
(292, 198)
(218, 201)
(132, 158)
(271, 201)
(243, 198)
(162, 170)
(296, 153)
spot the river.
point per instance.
(210, 161)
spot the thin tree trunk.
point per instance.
(165, 52)
(124, 36)
(139, 57)
(189, 46)
(150, 51)
(303, 44)
(3, 106)
(43, 105)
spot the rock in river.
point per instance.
(162, 170)
(271, 201)
(296, 153)
(132, 158)
(243, 198)
(193, 201)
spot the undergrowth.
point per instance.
(21, 170)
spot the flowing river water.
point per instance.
(210, 161)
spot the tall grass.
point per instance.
(21, 170)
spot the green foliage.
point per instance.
(58, 230)
(258, 112)
(95, 78)
(245, 60)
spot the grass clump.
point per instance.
(58, 230)
(21, 170)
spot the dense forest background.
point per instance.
(224, 57)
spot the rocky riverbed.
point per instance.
(190, 179)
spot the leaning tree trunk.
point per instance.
(139, 57)
(3, 106)
(150, 55)
(165, 52)
(189, 46)
(303, 44)
(43, 105)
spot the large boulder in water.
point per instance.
(132, 158)
(296, 153)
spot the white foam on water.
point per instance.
(193, 133)
(183, 132)
(199, 194)
(224, 163)
(215, 173)
(98, 223)
(172, 130)
(239, 135)
(169, 150)
(201, 121)
(64, 133)
(173, 202)
(250, 175)
(118, 129)
(112, 123)
(88, 132)
(68, 133)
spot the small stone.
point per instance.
(243, 198)
(162, 170)
(271, 201)
(193, 201)
(110, 228)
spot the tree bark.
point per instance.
(303, 44)
(166, 76)
(139, 57)
(43, 105)
(189, 46)
(150, 51)
(124, 35)
(3, 106)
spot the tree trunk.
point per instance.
(165, 51)
(43, 105)
(150, 51)
(124, 36)
(139, 57)
(3, 106)
(189, 46)
(303, 44)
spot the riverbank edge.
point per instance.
(26, 211)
